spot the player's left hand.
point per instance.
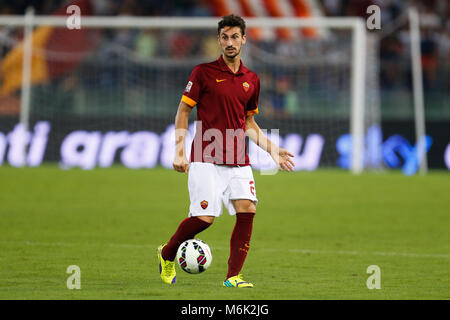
(283, 160)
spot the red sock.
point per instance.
(240, 242)
(187, 229)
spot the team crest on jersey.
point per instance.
(246, 86)
(188, 86)
(204, 204)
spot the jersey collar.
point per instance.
(224, 67)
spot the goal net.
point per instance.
(108, 93)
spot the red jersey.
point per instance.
(223, 101)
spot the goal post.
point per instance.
(418, 95)
(356, 60)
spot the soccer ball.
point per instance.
(194, 256)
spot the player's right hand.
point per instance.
(181, 164)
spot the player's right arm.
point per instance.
(188, 101)
(180, 162)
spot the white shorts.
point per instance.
(211, 185)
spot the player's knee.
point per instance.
(250, 207)
(208, 219)
(245, 206)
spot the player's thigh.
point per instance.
(244, 205)
(242, 190)
(204, 190)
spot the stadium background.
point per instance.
(112, 80)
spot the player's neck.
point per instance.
(232, 63)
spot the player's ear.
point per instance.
(244, 38)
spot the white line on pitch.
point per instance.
(294, 250)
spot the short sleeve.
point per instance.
(252, 104)
(191, 94)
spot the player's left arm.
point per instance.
(281, 156)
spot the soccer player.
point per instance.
(226, 94)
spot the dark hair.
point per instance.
(231, 21)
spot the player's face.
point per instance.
(231, 41)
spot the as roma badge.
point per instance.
(204, 204)
(246, 86)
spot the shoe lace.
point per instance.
(168, 267)
(240, 277)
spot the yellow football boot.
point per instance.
(166, 268)
(237, 282)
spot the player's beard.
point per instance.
(235, 53)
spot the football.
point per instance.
(194, 256)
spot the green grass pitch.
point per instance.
(315, 234)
